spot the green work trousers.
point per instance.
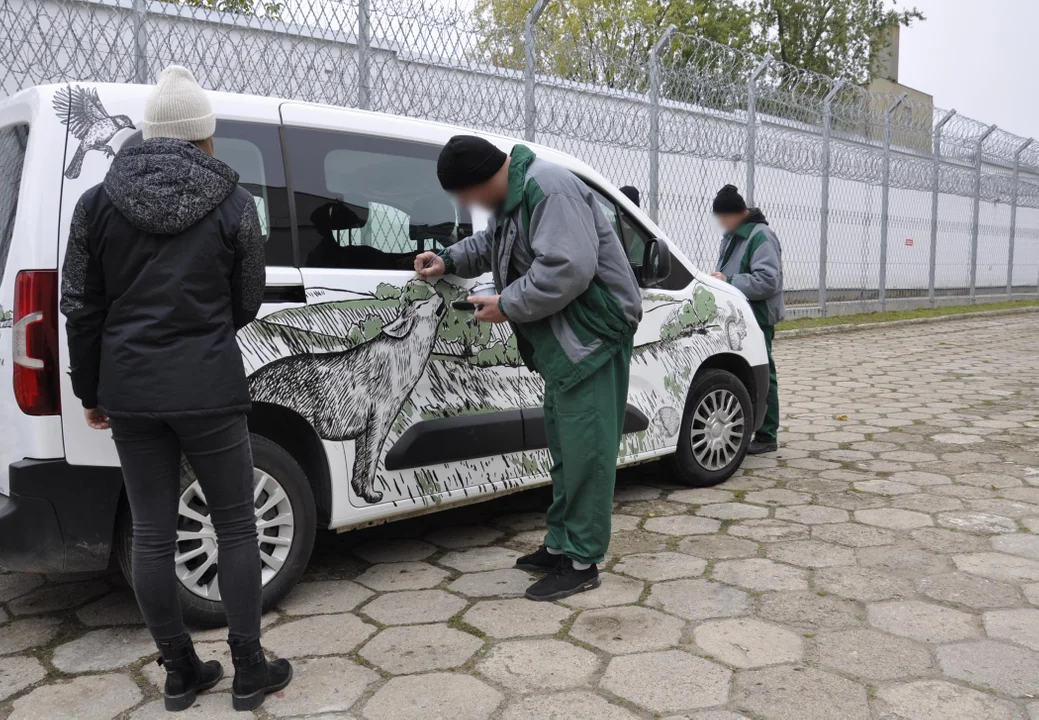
(767, 433)
(583, 426)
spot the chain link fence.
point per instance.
(877, 198)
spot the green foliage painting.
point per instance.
(692, 316)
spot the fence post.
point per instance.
(139, 10)
(364, 87)
(1013, 215)
(976, 216)
(654, 122)
(752, 123)
(885, 191)
(824, 213)
(529, 106)
(935, 189)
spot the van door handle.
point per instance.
(284, 294)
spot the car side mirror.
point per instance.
(656, 263)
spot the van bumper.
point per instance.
(761, 383)
(58, 517)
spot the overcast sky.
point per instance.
(981, 58)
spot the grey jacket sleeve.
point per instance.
(766, 270)
(249, 276)
(83, 305)
(471, 257)
(566, 256)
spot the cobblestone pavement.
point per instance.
(884, 564)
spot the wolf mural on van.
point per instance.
(349, 363)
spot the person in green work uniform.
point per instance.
(751, 259)
(567, 290)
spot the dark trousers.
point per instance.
(219, 452)
(768, 432)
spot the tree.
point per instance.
(608, 41)
(839, 38)
(265, 8)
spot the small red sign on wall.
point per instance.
(909, 242)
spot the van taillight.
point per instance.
(36, 378)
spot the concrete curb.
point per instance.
(853, 327)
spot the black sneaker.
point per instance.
(541, 560)
(757, 447)
(564, 580)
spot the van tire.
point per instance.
(684, 463)
(279, 464)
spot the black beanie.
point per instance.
(468, 160)
(728, 201)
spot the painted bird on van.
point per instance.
(356, 394)
(88, 121)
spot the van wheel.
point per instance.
(286, 521)
(716, 429)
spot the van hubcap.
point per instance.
(196, 555)
(717, 431)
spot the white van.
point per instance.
(346, 199)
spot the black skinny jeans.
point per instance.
(219, 452)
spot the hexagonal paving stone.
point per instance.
(922, 621)
(546, 665)
(804, 693)
(927, 503)
(1005, 668)
(118, 608)
(717, 547)
(885, 487)
(682, 525)
(970, 590)
(402, 576)
(436, 695)
(1023, 545)
(999, 566)
(893, 518)
(323, 597)
(923, 479)
(420, 648)
(769, 530)
(614, 590)
(571, 705)
(667, 681)
(29, 632)
(661, 566)
(903, 559)
(854, 535)
(627, 629)
(318, 635)
(811, 554)
(871, 655)
(516, 618)
(479, 559)
(18, 673)
(391, 550)
(864, 584)
(632, 493)
(977, 522)
(463, 536)
(810, 609)
(760, 574)
(812, 514)
(493, 583)
(51, 598)
(92, 697)
(103, 650)
(412, 607)
(733, 511)
(700, 496)
(940, 540)
(698, 599)
(777, 497)
(13, 585)
(940, 700)
(1018, 626)
(748, 643)
(210, 705)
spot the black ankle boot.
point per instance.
(254, 676)
(186, 675)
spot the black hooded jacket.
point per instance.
(164, 264)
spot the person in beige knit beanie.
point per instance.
(165, 262)
(178, 108)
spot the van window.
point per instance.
(13, 141)
(368, 203)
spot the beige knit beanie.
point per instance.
(178, 108)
